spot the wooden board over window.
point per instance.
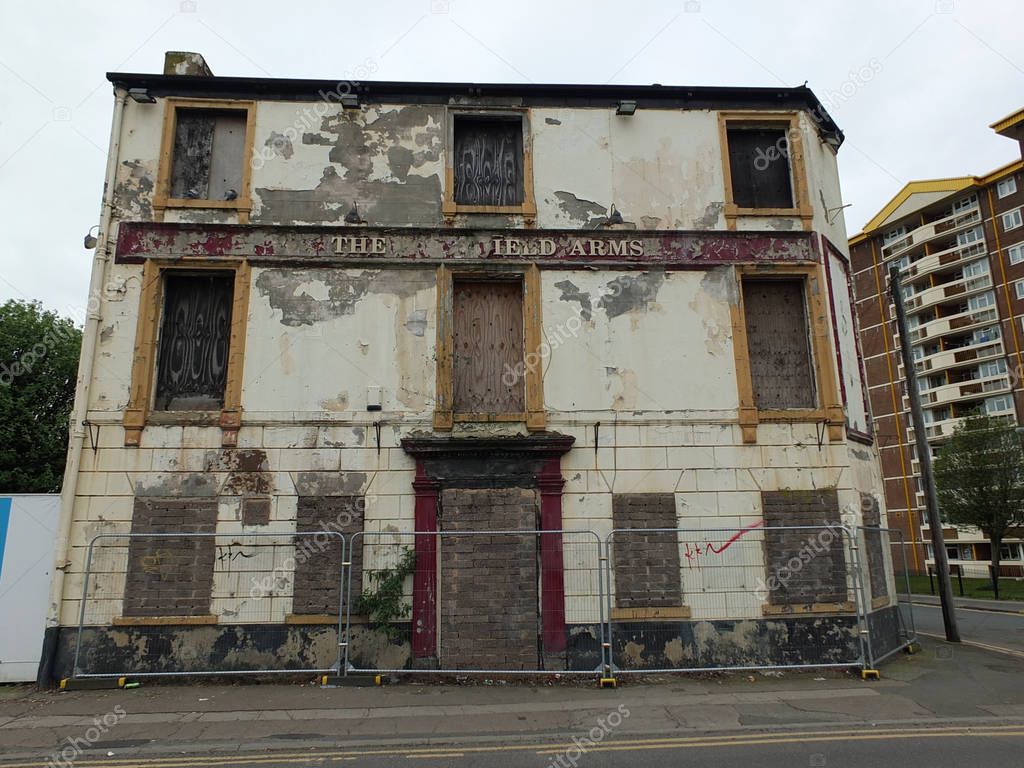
(209, 154)
(759, 168)
(488, 370)
(778, 340)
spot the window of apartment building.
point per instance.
(981, 301)
(1018, 286)
(205, 155)
(965, 204)
(1000, 404)
(1016, 253)
(1009, 552)
(195, 331)
(1006, 187)
(778, 343)
(918, 353)
(975, 268)
(970, 236)
(982, 335)
(895, 234)
(488, 339)
(759, 167)
(992, 368)
(1012, 220)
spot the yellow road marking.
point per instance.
(554, 747)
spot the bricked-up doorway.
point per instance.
(488, 593)
(492, 601)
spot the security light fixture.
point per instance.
(350, 101)
(141, 96)
(625, 107)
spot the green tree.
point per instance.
(979, 475)
(38, 369)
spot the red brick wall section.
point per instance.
(170, 576)
(488, 584)
(646, 564)
(318, 558)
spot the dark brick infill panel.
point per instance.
(647, 571)
(318, 571)
(531, 461)
(305, 246)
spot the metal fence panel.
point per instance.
(210, 603)
(728, 599)
(499, 602)
(886, 584)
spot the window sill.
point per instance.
(808, 608)
(242, 206)
(204, 418)
(636, 614)
(527, 209)
(164, 621)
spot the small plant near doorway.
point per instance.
(382, 602)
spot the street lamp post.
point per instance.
(924, 456)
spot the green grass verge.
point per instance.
(1009, 589)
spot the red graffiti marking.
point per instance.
(710, 549)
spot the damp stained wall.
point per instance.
(646, 354)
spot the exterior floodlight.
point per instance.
(141, 96)
(625, 107)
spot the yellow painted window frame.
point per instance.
(829, 409)
(139, 411)
(790, 121)
(444, 415)
(450, 208)
(161, 197)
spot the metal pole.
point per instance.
(924, 456)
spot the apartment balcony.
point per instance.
(940, 228)
(968, 354)
(947, 259)
(965, 390)
(954, 289)
(940, 430)
(962, 321)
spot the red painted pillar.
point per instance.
(552, 578)
(424, 580)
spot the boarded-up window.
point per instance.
(804, 548)
(759, 168)
(778, 342)
(488, 370)
(646, 563)
(192, 360)
(209, 154)
(488, 161)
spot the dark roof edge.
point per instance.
(661, 96)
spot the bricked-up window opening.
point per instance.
(647, 573)
(875, 546)
(488, 369)
(805, 566)
(195, 333)
(488, 162)
(778, 344)
(759, 168)
(209, 154)
(318, 568)
(170, 575)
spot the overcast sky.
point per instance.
(913, 83)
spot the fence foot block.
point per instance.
(351, 681)
(92, 683)
(870, 674)
(609, 682)
(912, 648)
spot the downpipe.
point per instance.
(79, 412)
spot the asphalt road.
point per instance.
(906, 747)
(987, 628)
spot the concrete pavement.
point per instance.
(938, 687)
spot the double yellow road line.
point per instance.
(553, 747)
